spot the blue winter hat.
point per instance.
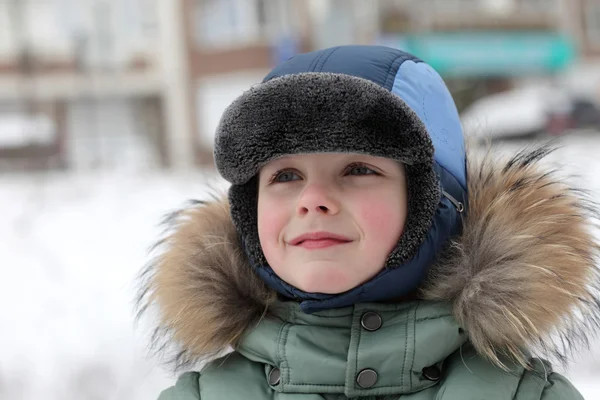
(361, 99)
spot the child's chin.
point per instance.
(325, 279)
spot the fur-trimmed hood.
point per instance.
(521, 279)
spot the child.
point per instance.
(362, 254)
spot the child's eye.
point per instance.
(360, 169)
(285, 176)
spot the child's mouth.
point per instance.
(319, 240)
(321, 243)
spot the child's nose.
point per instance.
(318, 199)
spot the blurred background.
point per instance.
(107, 115)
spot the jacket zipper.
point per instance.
(459, 206)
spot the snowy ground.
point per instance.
(70, 246)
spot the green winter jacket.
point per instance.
(417, 353)
(517, 277)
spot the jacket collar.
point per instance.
(402, 346)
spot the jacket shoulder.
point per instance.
(230, 377)
(471, 376)
(560, 388)
(187, 387)
(235, 377)
(542, 383)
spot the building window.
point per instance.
(592, 23)
(235, 23)
(30, 26)
(454, 6)
(537, 5)
(494, 6)
(8, 45)
(227, 23)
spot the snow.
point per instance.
(20, 130)
(583, 78)
(70, 246)
(528, 108)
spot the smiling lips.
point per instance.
(319, 240)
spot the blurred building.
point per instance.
(231, 45)
(479, 46)
(102, 83)
(80, 82)
(581, 19)
(485, 46)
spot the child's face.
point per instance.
(359, 200)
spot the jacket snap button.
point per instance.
(432, 373)
(371, 321)
(366, 378)
(274, 377)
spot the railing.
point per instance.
(426, 15)
(486, 14)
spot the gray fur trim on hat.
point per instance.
(324, 113)
(316, 112)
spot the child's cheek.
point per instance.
(376, 213)
(271, 222)
(382, 222)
